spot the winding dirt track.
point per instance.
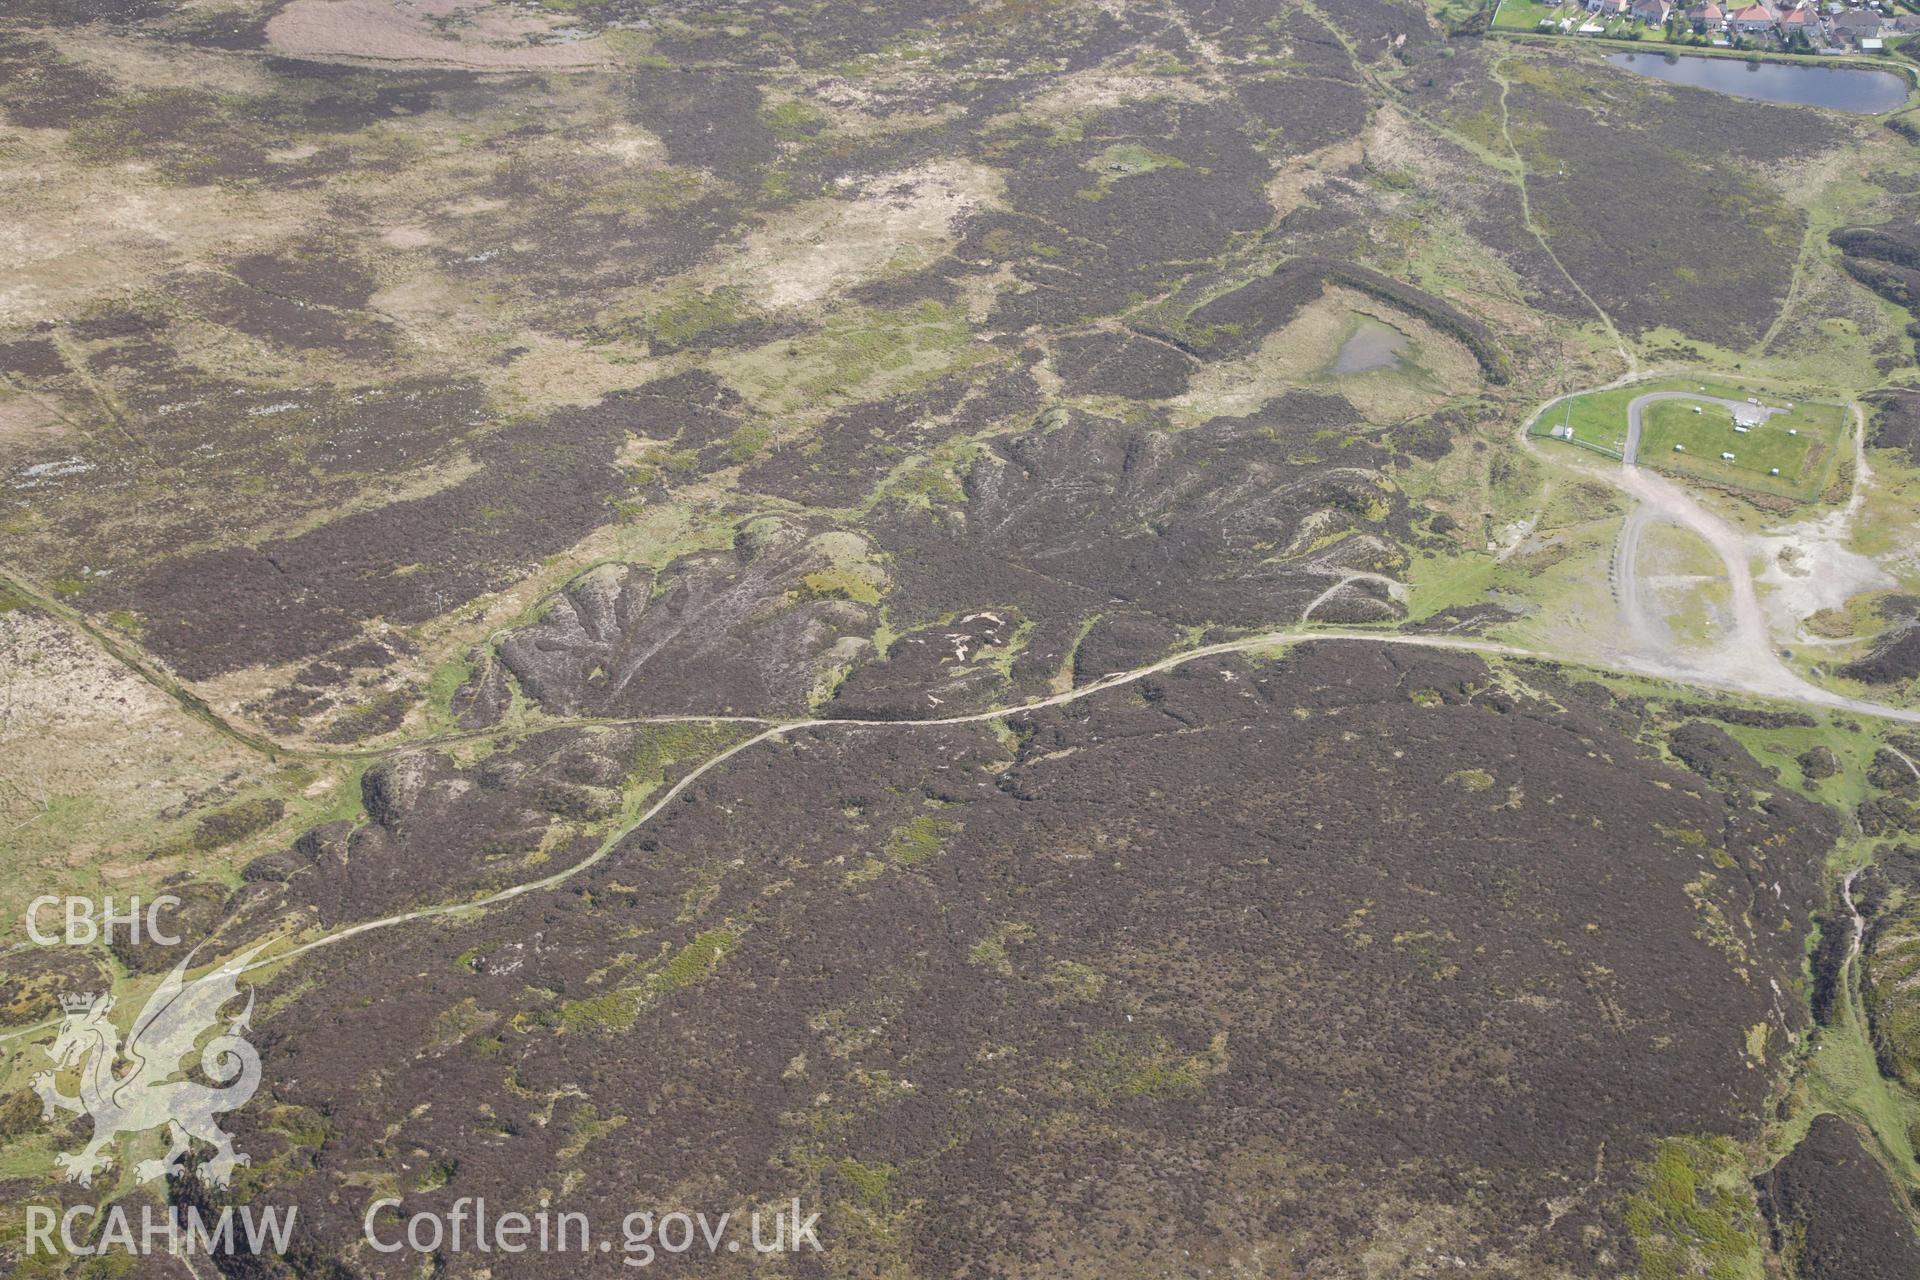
(1746, 660)
(1748, 664)
(606, 846)
(1853, 911)
(1270, 640)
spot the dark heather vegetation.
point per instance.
(1118, 916)
(1893, 421)
(1708, 247)
(1891, 957)
(1886, 259)
(1833, 1210)
(1236, 322)
(1894, 658)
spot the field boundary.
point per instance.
(1540, 427)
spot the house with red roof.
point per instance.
(1707, 17)
(1801, 20)
(1752, 19)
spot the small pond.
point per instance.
(1372, 346)
(1839, 88)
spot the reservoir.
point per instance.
(1838, 88)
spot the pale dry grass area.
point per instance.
(73, 235)
(92, 760)
(1433, 368)
(469, 36)
(1290, 187)
(27, 425)
(873, 105)
(144, 66)
(560, 371)
(1084, 94)
(1688, 583)
(1670, 551)
(895, 220)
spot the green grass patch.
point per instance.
(441, 686)
(587, 1127)
(791, 119)
(1120, 1069)
(685, 317)
(856, 353)
(920, 840)
(1124, 160)
(696, 960)
(1844, 1077)
(620, 1008)
(991, 952)
(1526, 15)
(1694, 1215)
(748, 442)
(1598, 421)
(845, 584)
(868, 1181)
(1601, 416)
(661, 746)
(1802, 446)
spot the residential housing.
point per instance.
(1802, 21)
(1856, 23)
(1858, 26)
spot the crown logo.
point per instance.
(76, 1003)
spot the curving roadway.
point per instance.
(1744, 659)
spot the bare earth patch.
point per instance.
(1808, 567)
(25, 425)
(98, 232)
(1300, 174)
(904, 220)
(1088, 93)
(489, 37)
(91, 757)
(1811, 565)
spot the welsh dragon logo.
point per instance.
(132, 1088)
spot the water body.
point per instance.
(1837, 88)
(1373, 346)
